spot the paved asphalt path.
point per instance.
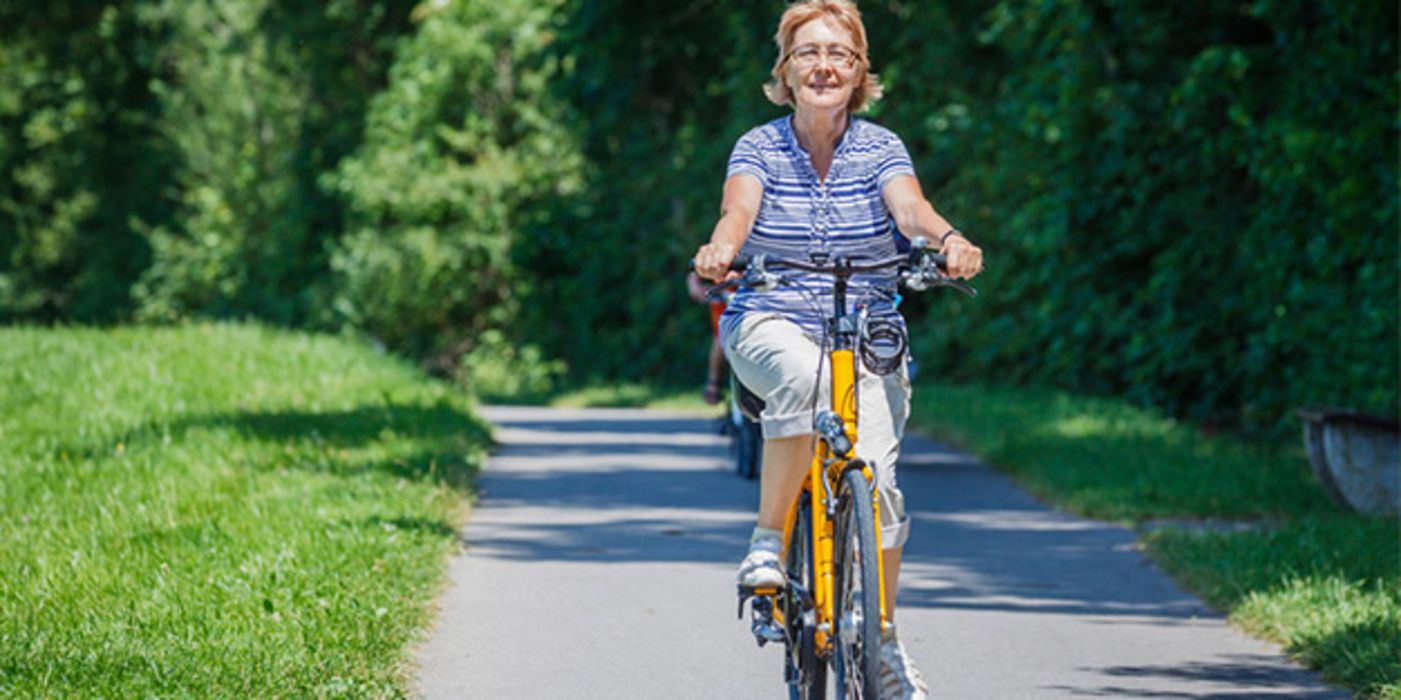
(599, 563)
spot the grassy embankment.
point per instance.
(1323, 583)
(220, 512)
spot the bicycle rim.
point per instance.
(857, 658)
(805, 673)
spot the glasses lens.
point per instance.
(810, 55)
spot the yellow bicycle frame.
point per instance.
(824, 477)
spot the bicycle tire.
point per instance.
(805, 673)
(858, 624)
(743, 433)
(751, 443)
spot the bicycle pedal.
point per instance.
(763, 627)
(765, 632)
(746, 593)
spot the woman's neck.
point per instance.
(819, 132)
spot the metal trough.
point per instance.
(1357, 457)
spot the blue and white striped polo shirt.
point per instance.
(844, 216)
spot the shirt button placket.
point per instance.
(820, 218)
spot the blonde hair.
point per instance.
(844, 13)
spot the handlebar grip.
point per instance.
(739, 264)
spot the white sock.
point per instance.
(763, 532)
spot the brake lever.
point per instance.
(920, 280)
(717, 292)
(960, 285)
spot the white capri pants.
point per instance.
(778, 362)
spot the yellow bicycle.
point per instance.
(831, 610)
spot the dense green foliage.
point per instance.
(220, 511)
(79, 158)
(162, 159)
(1191, 205)
(662, 91)
(1194, 206)
(464, 149)
(258, 100)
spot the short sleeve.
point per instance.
(748, 159)
(893, 162)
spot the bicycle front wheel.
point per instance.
(857, 658)
(805, 673)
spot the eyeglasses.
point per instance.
(809, 55)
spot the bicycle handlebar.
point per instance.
(914, 269)
(742, 263)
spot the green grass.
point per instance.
(1326, 588)
(1325, 584)
(220, 511)
(1106, 459)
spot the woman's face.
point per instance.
(825, 84)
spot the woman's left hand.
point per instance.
(965, 260)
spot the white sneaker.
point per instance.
(899, 679)
(761, 568)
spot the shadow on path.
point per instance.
(1255, 676)
(990, 575)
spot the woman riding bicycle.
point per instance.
(819, 181)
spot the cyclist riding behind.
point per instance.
(820, 181)
(715, 358)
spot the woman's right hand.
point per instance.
(713, 262)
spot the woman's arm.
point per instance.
(739, 207)
(916, 218)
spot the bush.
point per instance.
(258, 103)
(161, 159)
(460, 149)
(79, 158)
(1171, 210)
(497, 369)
